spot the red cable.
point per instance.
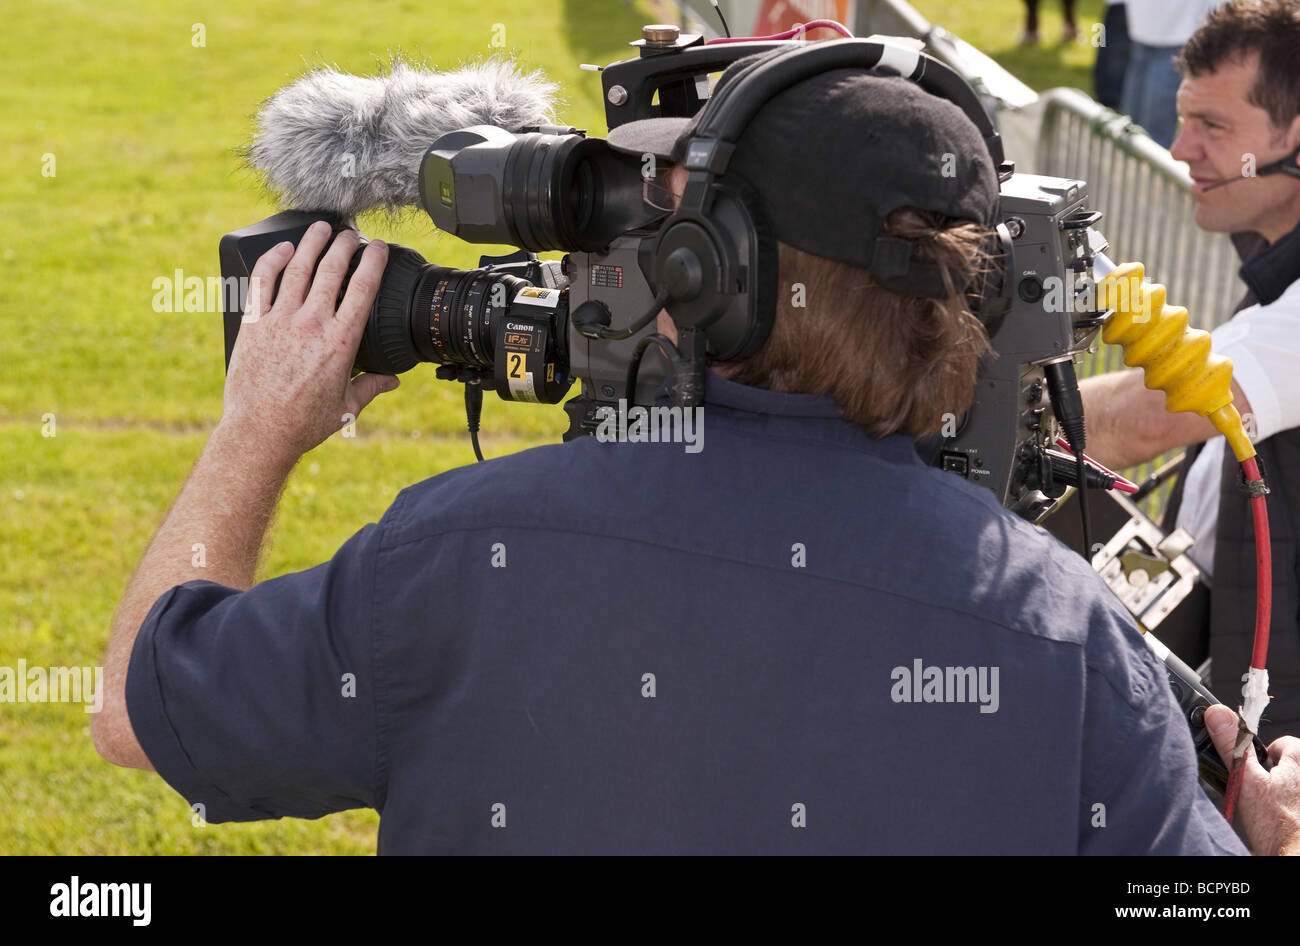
(806, 27)
(1234, 788)
(1264, 566)
(1263, 616)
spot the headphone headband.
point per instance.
(716, 255)
(725, 120)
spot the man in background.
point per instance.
(1240, 104)
(1157, 30)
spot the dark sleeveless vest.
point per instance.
(1268, 270)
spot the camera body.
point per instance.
(1007, 440)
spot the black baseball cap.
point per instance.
(834, 155)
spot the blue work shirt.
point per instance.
(797, 639)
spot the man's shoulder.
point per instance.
(906, 529)
(1053, 591)
(537, 485)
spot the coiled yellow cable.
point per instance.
(1174, 358)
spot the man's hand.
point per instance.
(287, 390)
(1269, 805)
(288, 387)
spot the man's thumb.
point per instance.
(1221, 722)
(366, 387)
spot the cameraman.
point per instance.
(1240, 105)
(628, 647)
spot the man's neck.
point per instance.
(1272, 235)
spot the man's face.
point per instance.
(1224, 137)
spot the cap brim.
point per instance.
(657, 136)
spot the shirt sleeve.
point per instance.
(262, 703)
(1265, 350)
(1140, 765)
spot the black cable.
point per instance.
(1157, 477)
(593, 327)
(669, 350)
(725, 29)
(473, 411)
(1067, 405)
(1065, 469)
(1083, 500)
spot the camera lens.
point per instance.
(537, 191)
(428, 313)
(456, 314)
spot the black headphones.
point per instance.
(716, 257)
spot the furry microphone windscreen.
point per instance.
(332, 141)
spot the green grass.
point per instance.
(143, 128)
(994, 27)
(80, 508)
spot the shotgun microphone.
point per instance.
(337, 143)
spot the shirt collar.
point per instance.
(799, 416)
(1272, 267)
(720, 392)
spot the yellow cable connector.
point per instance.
(1174, 358)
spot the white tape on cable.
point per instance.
(902, 60)
(1254, 693)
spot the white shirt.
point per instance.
(1264, 345)
(1166, 22)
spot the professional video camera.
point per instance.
(528, 328)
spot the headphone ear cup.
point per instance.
(762, 269)
(991, 295)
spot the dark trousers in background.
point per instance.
(1112, 57)
(1151, 90)
(1031, 14)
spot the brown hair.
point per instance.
(1233, 31)
(896, 364)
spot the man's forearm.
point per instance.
(1128, 422)
(213, 531)
(1111, 418)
